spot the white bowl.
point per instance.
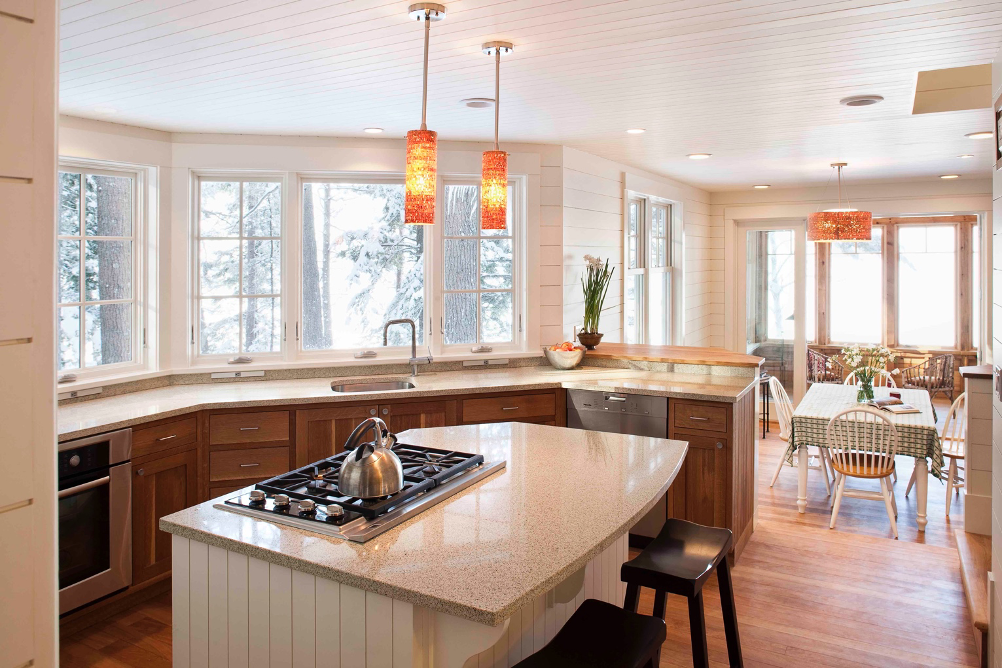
(563, 359)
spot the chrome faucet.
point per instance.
(414, 361)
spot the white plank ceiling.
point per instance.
(754, 82)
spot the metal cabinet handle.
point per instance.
(509, 408)
(167, 438)
(84, 487)
(619, 399)
(719, 445)
(249, 428)
(386, 411)
(699, 419)
(249, 465)
(372, 411)
(141, 472)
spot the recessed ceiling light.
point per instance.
(861, 100)
(478, 102)
(761, 187)
(950, 176)
(966, 155)
(636, 131)
(698, 156)
(373, 131)
(979, 135)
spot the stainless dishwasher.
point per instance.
(624, 414)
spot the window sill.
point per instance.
(86, 384)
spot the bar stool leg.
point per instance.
(697, 632)
(659, 603)
(632, 597)
(730, 614)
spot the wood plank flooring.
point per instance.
(806, 595)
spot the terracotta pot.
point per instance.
(589, 339)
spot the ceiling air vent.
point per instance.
(861, 100)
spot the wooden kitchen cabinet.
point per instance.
(699, 491)
(321, 432)
(544, 407)
(161, 485)
(417, 415)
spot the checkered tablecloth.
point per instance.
(917, 434)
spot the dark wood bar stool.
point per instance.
(679, 561)
(600, 635)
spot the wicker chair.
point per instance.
(818, 370)
(935, 375)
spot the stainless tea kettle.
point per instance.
(372, 470)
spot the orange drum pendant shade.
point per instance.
(841, 223)
(421, 176)
(494, 174)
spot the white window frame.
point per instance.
(296, 273)
(144, 279)
(516, 206)
(194, 302)
(671, 272)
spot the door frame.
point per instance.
(736, 332)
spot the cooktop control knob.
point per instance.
(75, 460)
(282, 501)
(257, 496)
(307, 507)
(334, 511)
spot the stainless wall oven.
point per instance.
(95, 518)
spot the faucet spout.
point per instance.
(414, 360)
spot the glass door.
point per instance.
(773, 284)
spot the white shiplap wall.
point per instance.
(996, 601)
(592, 208)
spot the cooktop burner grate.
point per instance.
(424, 469)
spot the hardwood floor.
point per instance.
(805, 595)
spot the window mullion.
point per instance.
(82, 311)
(240, 271)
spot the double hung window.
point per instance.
(239, 266)
(100, 322)
(647, 275)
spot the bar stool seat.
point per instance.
(601, 635)
(679, 561)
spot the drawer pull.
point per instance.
(167, 438)
(720, 446)
(509, 408)
(243, 466)
(699, 419)
(249, 428)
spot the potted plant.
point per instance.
(865, 363)
(595, 284)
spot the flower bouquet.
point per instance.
(865, 363)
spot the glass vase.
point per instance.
(864, 391)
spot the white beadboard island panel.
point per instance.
(300, 620)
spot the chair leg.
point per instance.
(895, 474)
(775, 476)
(894, 502)
(885, 490)
(911, 482)
(659, 603)
(730, 614)
(697, 632)
(838, 500)
(950, 481)
(632, 597)
(831, 501)
(824, 470)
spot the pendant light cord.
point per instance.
(424, 91)
(497, 94)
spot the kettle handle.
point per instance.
(374, 423)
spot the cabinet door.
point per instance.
(159, 487)
(321, 432)
(699, 493)
(401, 417)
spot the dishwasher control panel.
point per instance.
(614, 402)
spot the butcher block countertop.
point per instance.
(673, 354)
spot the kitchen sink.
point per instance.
(371, 386)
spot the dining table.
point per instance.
(917, 434)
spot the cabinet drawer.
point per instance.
(149, 440)
(700, 416)
(258, 463)
(229, 428)
(508, 408)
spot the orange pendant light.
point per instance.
(422, 145)
(494, 174)
(841, 223)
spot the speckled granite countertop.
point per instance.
(93, 417)
(565, 495)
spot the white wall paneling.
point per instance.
(996, 336)
(231, 611)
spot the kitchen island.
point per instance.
(495, 570)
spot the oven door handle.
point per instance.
(63, 493)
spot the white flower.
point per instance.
(593, 262)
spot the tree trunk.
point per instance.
(114, 273)
(312, 314)
(325, 275)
